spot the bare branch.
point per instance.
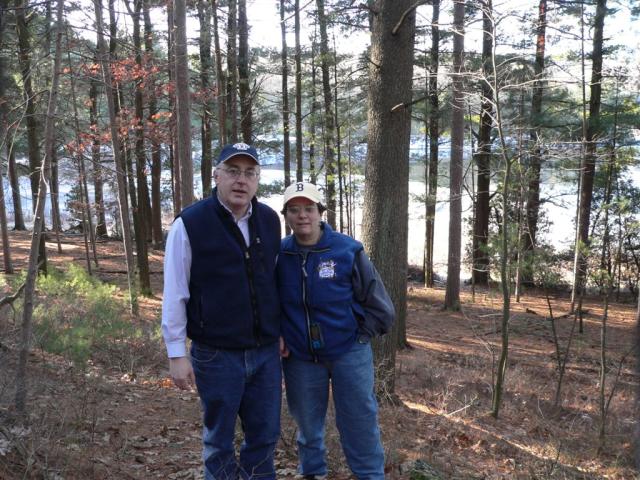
(407, 12)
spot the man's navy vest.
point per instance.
(233, 295)
(316, 291)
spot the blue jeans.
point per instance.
(245, 384)
(351, 378)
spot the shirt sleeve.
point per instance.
(177, 272)
(369, 292)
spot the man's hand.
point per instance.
(284, 351)
(181, 372)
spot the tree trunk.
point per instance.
(87, 222)
(483, 157)
(329, 126)
(4, 136)
(246, 115)
(24, 59)
(452, 295)
(143, 213)
(38, 226)
(386, 196)
(285, 97)
(206, 71)
(55, 207)
(505, 250)
(232, 71)
(298, 56)
(313, 114)
(173, 146)
(156, 159)
(18, 217)
(96, 161)
(434, 136)
(6, 250)
(220, 79)
(533, 193)
(636, 449)
(182, 105)
(589, 166)
(120, 165)
(336, 121)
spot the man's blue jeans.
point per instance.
(351, 378)
(244, 383)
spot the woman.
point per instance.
(333, 303)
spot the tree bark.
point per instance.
(329, 126)
(143, 213)
(313, 114)
(434, 136)
(220, 79)
(483, 157)
(182, 105)
(4, 137)
(246, 115)
(206, 71)
(18, 217)
(173, 145)
(24, 59)
(386, 196)
(87, 221)
(55, 206)
(156, 159)
(285, 97)
(232, 72)
(38, 226)
(533, 192)
(636, 449)
(298, 61)
(452, 295)
(96, 161)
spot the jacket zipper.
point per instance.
(306, 306)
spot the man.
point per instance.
(220, 291)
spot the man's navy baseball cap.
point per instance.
(236, 150)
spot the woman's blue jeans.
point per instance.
(245, 384)
(351, 378)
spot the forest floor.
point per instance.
(119, 417)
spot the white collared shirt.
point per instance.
(177, 273)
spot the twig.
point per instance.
(407, 12)
(9, 299)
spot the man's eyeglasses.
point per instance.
(307, 209)
(235, 173)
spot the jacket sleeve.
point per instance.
(370, 293)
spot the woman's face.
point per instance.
(303, 216)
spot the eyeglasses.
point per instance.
(307, 209)
(235, 173)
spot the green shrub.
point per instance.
(76, 314)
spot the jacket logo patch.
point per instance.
(327, 269)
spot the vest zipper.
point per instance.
(306, 306)
(252, 291)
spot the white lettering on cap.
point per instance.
(241, 146)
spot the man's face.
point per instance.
(237, 182)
